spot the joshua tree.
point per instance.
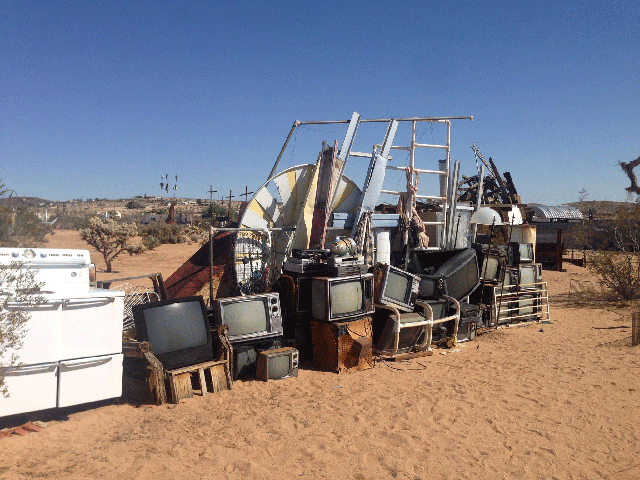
(111, 238)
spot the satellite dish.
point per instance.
(278, 203)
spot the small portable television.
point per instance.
(177, 330)
(250, 317)
(337, 298)
(521, 253)
(454, 273)
(529, 274)
(395, 287)
(277, 364)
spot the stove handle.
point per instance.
(80, 301)
(47, 304)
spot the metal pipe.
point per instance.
(256, 229)
(284, 147)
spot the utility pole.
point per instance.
(230, 197)
(211, 192)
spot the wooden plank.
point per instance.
(180, 386)
(203, 383)
(220, 379)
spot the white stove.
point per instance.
(72, 350)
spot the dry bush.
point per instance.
(615, 251)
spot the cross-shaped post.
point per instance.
(230, 197)
(246, 193)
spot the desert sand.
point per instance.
(547, 401)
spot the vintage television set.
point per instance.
(251, 317)
(337, 298)
(529, 274)
(395, 287)
(177, 330)
(492, 269)
(521, 253)
(454, 273)
(277, 364)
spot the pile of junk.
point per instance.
(317, 272)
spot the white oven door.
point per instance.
(92, 324)
(42, 340)
(31, 388)
(89, 380)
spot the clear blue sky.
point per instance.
(99, 99)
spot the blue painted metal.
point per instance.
(375, 175)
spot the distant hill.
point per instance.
(600, 208)
(26, 201)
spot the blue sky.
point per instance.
(99, 99)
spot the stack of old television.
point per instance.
(339, 312)
(330, 308)
(511, 283)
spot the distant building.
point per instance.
(559, 213)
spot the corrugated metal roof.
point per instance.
(559, 212)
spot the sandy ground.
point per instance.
(552, 401)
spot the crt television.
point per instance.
(454, 272)
(395, 287)
(250, 317)
(337, 298)
(492, 269)
(528, 274)
(521, 253)
(277, 364)
(177, 330)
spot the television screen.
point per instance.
(397, 287)
(334, 298)
(249, 317)
(529, 274)
(492, 268)
(175, 327)
(461, 273)
(346, 298)
(177, 330)
(245, 318)
(520, 252)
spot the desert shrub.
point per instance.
(72, 222)
(21, 228)
(616, 251)
(162, 233)
(131, 204)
